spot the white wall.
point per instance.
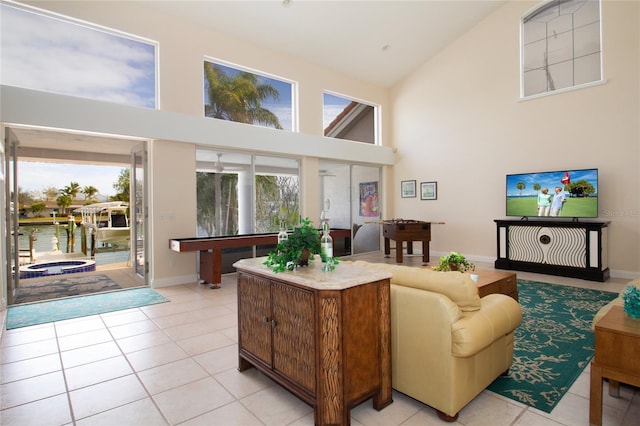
(458, 121)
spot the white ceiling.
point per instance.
(347, 36)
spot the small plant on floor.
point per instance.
(454, 262)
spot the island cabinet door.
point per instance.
(254, 316)
(294, 346)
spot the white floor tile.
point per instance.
(104, 396)
(31, 389)
(143, 412)
(192, 400)
(29, 368)
(177, 363)
(51, 411)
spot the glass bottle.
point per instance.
(326, 243)
(282, 235)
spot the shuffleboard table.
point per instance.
(210, 249)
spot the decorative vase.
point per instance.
(631, 297)
(304, 257)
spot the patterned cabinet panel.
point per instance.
(557, 247)
(294, 344)
(542, 244)
(254, 316)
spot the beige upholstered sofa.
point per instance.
(448, 344)
(617, 301)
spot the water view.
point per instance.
(46, 241)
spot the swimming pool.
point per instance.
(59, 267)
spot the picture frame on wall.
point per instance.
(369, 199)
(408, 189)
(428, 190)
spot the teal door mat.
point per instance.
(76, 307)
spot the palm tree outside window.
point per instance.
(245, 97)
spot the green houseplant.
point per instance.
(454, 262)
(298, 249)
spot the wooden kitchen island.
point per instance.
(325, 336)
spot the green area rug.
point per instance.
(62, 286)
(552, 345)
(75, 307)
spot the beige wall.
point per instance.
(173, 202)
(458, 120)
(184, 46)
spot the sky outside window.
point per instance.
(281, 107)
(55, 55)
(333, 106)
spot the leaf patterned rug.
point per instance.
(63, 287)
(553, 344)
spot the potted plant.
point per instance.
(297, 249)
(454, 262)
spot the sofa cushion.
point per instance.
(476, 330)
(458, 287)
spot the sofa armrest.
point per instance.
(498, 316)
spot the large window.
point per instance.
(561, 46)
(240, 193)
(348, 119)
(238, 95)
(55, 54)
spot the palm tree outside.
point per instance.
(239, 97)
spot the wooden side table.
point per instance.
(617, 345)
(496, 281)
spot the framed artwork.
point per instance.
(428, 190)
(369, 199)
(408, 188)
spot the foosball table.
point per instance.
(401, 231)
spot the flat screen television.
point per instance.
(580, 188)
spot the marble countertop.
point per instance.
(344, 276)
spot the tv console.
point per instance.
(575, 249)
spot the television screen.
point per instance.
(542, 194)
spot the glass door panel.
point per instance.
(139, 211)
(365, 207)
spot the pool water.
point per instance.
(60, 267)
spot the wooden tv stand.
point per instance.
(575, 249)
(324, 336)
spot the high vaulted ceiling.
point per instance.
(377, 41)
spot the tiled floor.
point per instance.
(176, 363)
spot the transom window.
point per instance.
(235, 94)
(345, 118)
(57, 54)
(561, 46)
